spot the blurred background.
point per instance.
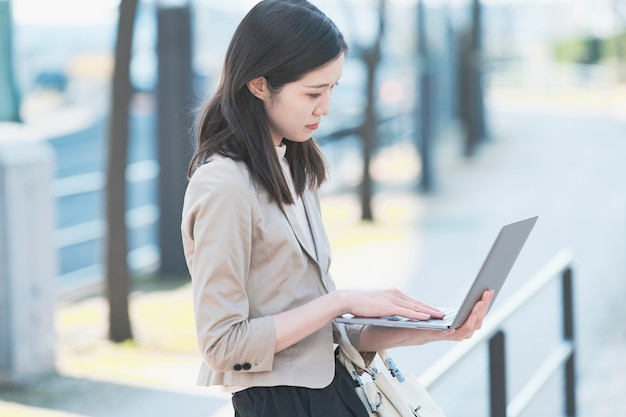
(452, 118)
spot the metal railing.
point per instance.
(492, 333)
(78, 190)
(137, 217)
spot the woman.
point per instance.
(253, 235)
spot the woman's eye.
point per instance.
(315, 95)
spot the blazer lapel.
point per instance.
(320, 251)
(322, 245)
(292, 217)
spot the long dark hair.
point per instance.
(281, 40)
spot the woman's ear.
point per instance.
(259, 88)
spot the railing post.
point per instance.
(497, 375)
(568, 336)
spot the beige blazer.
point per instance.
(248, 260)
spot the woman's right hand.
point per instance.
(386, 302)
(296, 324)
(374, 338)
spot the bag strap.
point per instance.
(357, 360)
(350, 357)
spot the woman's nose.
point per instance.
(323, 108)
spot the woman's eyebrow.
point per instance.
(321, 85)
(317, 86)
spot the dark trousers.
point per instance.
(336, 400)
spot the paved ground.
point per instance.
(561, 160)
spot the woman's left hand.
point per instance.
(473, 322)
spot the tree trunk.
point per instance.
(472, 107)
(368, 129)
(424, 115)
(619, 7)
(117, 272)
(476, 81)
(620, 51)
(176, 98)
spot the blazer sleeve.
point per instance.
(217, 227)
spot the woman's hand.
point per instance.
(374, 338)
(473, 322)
(296, 324)
(388, 302)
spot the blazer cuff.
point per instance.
(260, 353)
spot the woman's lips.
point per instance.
(313, 127)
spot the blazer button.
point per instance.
(246, 366)
(237, 367)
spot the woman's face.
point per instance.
(296, 111)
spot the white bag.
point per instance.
(390, 393)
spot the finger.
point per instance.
(415, 314)
(479, 312)
(433, 311)
(482, 306)
(488, 296)
(402, 295)
(422, 307)
(474, 321)
(416, 304)
(414, 308)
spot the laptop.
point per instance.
(492, 274)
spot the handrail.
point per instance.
(492, 333)
(88, 231)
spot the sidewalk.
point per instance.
(569, 170)
(601, 390)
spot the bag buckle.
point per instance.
(393, 368)
(358, 379)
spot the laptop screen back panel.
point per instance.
(497, 265)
